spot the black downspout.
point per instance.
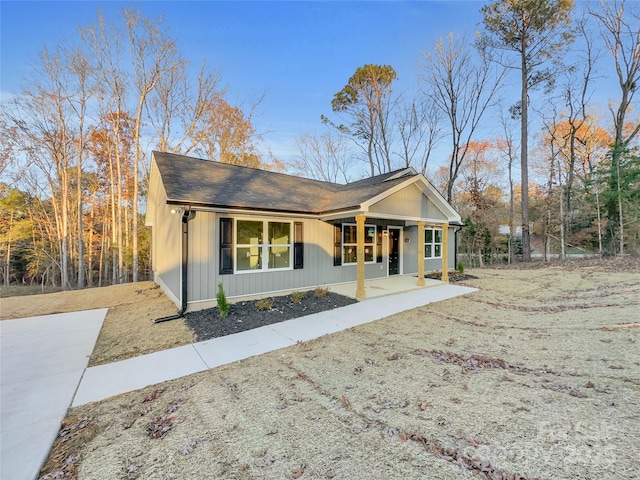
(186, 216)
(457, 230)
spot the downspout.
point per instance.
(186, 216)
(455, 244)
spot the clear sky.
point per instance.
(298, 53)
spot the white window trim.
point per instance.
(264, 247)
(373, 245)
(433, 243)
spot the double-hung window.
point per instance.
(263, 245)
(433, 243)
(350, 244)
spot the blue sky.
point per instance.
(297, 53)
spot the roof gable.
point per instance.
(207, 183)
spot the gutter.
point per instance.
(186, 216)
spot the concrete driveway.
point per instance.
(42, 361)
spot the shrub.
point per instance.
(297, 297)
(264, 304)
(223, 305)
(321, 292)
(461, 268)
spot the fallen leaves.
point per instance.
(153, 395)
(65, 458)
(161, 426)
(459, 456)
(476, 363)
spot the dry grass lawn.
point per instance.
(534, 376)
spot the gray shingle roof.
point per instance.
(195, 181)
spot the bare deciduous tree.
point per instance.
(534, 30)
(463, 83)
(322, 157)
(620, 31)
(419, 124)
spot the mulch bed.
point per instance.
(454, 277)
(207, 324)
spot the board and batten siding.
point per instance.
(166, 241)
(409, 202)
(410, 254)
(318, 268)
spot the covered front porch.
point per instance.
(389, 246)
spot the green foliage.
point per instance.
(321, 292)
(461, 268)
(621, 173)
(529, 24)
(264, 304)
(297, 297)
(223, 305)
(366, 102)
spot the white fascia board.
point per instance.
(342, 214)
(247, 212)
(407, 220)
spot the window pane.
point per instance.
(350, 233)
(279, 233)
(427, 251)
(368, 254)
(438, 236)
(349, 254)
(369, 234)
(249, 258)
(428, 236)
(438, 250)
(279, 257)
(249, 232)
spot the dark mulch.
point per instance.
(243, 316)
(454, 277)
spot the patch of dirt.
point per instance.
(457, 389)
(247, 315)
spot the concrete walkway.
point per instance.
(115, 378)
(43, 359)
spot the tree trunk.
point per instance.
(562, 240)
(524, 161)
(620, 219)
(80, 283)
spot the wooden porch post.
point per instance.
(360, 293)
(420, 247)
(445, 252)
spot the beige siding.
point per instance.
(409, 202)
(166, 245)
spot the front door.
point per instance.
(394, 250)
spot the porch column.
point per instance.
(445, 252)
(360, 293)
(420, 243)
